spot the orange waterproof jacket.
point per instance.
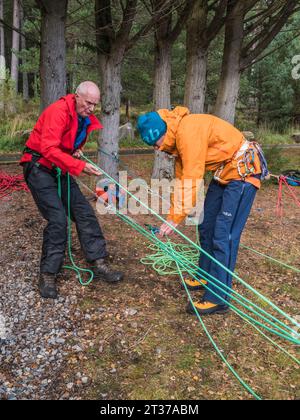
(201, 142)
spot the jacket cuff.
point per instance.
(76, 171)
(176, 218)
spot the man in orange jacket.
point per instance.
(207, 143)
(56, 142)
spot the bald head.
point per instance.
(86, 88)
(87, 98)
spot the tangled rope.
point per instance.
(10, 184)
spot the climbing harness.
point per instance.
(245, 162)
(245, 165)
(265, 173)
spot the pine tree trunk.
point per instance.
(53, 51)
(24, 73)
(196, 81)
(2, 57)
(296, 102)
(111, 102)
(162, 76)
(228, 90)
(2, 43)
(197, 54)
(15, 44)
(163, 164)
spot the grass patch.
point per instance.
(267, 137)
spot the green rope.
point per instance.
(162, 272)
(297, 361)
(232, 370)
(182, 264)
(185, 265)
(169, 260)
(271, 259)
(259, 295)
(160, 262)
(73, 267)
(58, 176)
(285, 336)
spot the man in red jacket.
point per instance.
(56, 142)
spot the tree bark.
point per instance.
(15, 44)
(228, 90)
(111, 101)
(163, 57)
(165, 37)
(163, 167)
(23, 47)
(53, 50)
(2, 57)
(296, 103)
(162, 77)
(2, 44)
(196, 54)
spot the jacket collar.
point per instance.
(71, 104)
(172, 119)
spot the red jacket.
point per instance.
(54, 136)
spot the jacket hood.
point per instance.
(173, 119)
(71, 103)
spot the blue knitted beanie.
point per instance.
(151, 127)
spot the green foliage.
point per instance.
(277, 160)
(268, 90)
(15, 130)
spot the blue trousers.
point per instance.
(226, 211)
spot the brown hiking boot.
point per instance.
(47, 286)
(102, 271)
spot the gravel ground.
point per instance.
(35, 335)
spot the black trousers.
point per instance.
(43, 186)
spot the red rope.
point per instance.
(10, 184)
(279, 209)
(291, 192)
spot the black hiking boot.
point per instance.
(102, 271)
(47, 286)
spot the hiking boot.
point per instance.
(193, 284)
(206, 308)
(47, 286)
(102, 271)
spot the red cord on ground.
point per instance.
(291, 192)
(10, 184)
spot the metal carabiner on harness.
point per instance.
(246, 163)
